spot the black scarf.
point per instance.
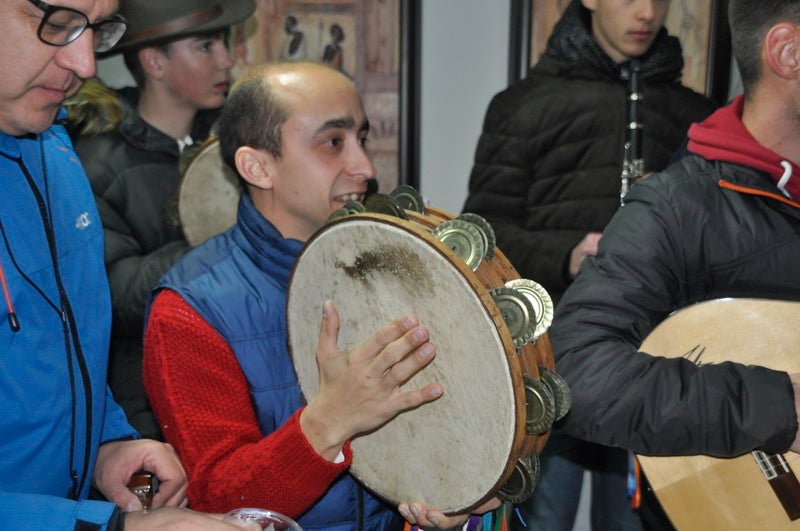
(572, 41)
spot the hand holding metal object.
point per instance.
(145, 485)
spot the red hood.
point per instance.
(723, 137)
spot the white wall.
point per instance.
(464, 63)
(113, 72)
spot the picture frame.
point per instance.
(373, 42)
(701, 26)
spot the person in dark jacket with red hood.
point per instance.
(547, 177)
(722, 222)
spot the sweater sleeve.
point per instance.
(202, 401)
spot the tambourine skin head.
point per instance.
(455, 452)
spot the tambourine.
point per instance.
(208, 196)
(481, 439)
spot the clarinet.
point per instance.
(633, 163)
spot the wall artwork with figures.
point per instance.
(359, 37)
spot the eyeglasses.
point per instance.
(62, 25)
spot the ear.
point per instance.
(782, 50)
(589, 4)
(256, 166)
(152, 61)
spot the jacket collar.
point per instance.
(723, 136)
(750, 181)
(144, 136)
(262, 242)
(10, 145)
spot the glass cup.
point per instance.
(268, 520)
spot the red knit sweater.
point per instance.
(202, 401)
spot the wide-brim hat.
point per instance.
(152, 22)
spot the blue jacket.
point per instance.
(237, 282)
(51, 368)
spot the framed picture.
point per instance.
(701, 26)
(370, 41)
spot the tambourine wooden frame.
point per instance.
(380, 477)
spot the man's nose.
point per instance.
(78, 56)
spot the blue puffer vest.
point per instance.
(237, 281)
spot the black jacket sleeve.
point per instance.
(654, 248)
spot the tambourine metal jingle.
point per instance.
(518, 314)
(464, 239)
(541, 406)
(490, 239)
(409, 198)
(383, 204)
(540, 300)
(561, 393)
(353, 207)
(520, 486)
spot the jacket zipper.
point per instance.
(360, 505)
(753, 191)
(13, 322)
(70, 329)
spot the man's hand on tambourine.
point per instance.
(417, 513)
(360, 389)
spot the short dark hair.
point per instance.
(750, 20)
(134, 65)
(252, 116)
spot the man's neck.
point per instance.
(166, 115)
(773, 123)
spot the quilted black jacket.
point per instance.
(548, 163)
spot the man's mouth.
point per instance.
(347, 198)
(56, 95)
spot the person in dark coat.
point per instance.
(547, 177)
(178, 56)
(721, 223)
